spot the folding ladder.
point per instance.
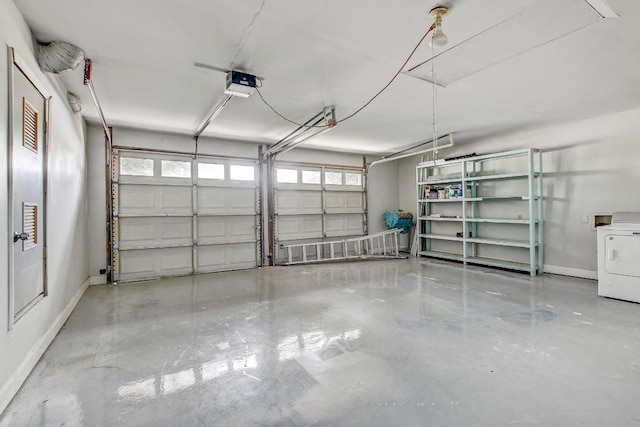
(375, 246)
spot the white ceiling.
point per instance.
(334, 52)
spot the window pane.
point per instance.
(333, 178)
(241, 173)
(210, 171)
(136, 167)
(288, 176)
(353, 178)
(311, 177)
(176, 169)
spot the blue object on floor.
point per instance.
(398, 218)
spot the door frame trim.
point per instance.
(15, 59)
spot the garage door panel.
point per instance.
(136, 197)
(136, 232)
(226, 257)
(344, 225)
(316, 203)
(299, 202)
(344, 202)
(142, 199)
(150, 263)
(213, 229)
(176, 198)
(226, 201)
(299, 227)
(155, 217)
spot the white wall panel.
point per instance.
(22, 346)
(383, 194)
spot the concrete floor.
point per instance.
(379, 343)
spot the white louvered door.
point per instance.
(27, 275)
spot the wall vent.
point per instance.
(29, 126)
(30, 225)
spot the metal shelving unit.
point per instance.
(498, 219)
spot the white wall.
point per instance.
(21, 347)
(590, 166)
(383, 194)
(382, 181)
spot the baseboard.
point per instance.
(573, 272)
(13, 384)
(97, 280)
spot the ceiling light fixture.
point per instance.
(438, 39)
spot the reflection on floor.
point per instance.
(403, 343)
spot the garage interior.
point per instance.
(201, 170)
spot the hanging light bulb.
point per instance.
(438, 39)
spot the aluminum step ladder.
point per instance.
(375, 246)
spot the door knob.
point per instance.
(20, 236)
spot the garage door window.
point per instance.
(176, 169)
(136, 167)
(241, 173)
(210, 171)
(333, 178)
(311, 177)
(287, 176)
(353, 178)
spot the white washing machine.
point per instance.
(619, 257)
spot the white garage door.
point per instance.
(317, 204)
(174, 215)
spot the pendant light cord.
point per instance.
(366, 104)
(435, 104)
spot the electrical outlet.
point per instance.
(585, 219)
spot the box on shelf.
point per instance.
(455, 191)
